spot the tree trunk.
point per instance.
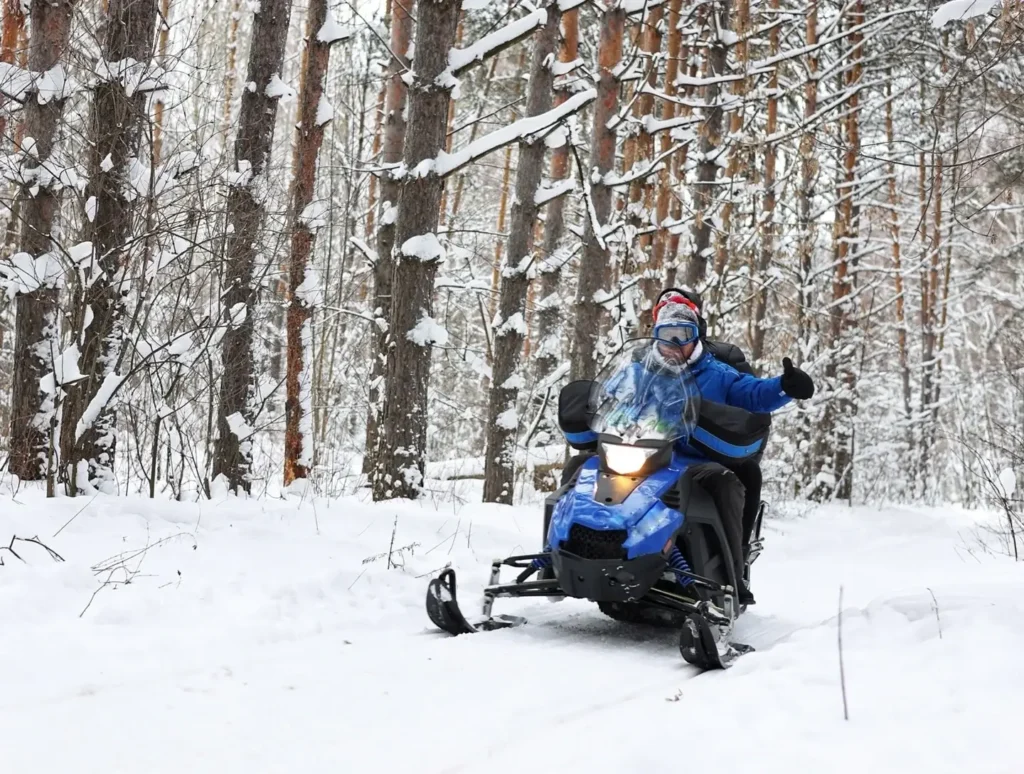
(768, 214)
(11, 32)
(314, 113)
(549, 351)
(897, 264)
(641, 191)
(390, 192)
(807, 229)
(158, 98)
(231, 73)
(117, 120)
(36, 340)
(593, 272)
(412, 332)
(652, 281)
(710, 147)
(509, 332)
(724, 253)
(837, 425)
(232, 456)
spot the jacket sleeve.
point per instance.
(761, 396)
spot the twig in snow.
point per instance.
(436, 571)
(360, 575)
(842, 671)
(10, 547)
(75, 516)
(935, 607)
(120, 562)
(391, 547)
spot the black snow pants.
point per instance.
(749, 474)
(728, 492)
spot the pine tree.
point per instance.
(118, 117)
(33, 411)
(245, 217)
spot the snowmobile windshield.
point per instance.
(641, 395)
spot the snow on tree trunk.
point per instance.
(390, 192)
(510, 325)
(33, 410)
(246, 206)
(594, 264)
(710, 144)
(412, 331)
(119, 113)
(307, 216)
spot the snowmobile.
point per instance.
(629, 528)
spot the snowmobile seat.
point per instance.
(575, 415)
(729, 435)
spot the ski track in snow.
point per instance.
(249, 642)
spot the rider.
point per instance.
(678, 345)
(749, 470)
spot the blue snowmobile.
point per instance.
(630, 528)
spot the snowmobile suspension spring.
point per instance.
(541, 561)
(678, 563)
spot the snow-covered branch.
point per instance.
(523, 129)
(461, 59)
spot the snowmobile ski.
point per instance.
(443, 609)
(699, 645)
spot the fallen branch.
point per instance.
(14, 538)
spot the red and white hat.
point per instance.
(673, 299)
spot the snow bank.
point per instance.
(289, 634)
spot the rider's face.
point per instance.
(676, 353)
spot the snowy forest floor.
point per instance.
(271, 636)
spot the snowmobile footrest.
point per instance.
(700, 645)
(443, 609)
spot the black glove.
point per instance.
(796, 383)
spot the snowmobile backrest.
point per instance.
(729, 435)
(575, 414)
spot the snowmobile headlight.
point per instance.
(627, 459)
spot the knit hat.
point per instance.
(672, 310)
(674, 297)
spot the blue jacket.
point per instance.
(722, 383)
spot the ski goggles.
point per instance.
(677, 332)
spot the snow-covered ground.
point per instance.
(271, 636)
